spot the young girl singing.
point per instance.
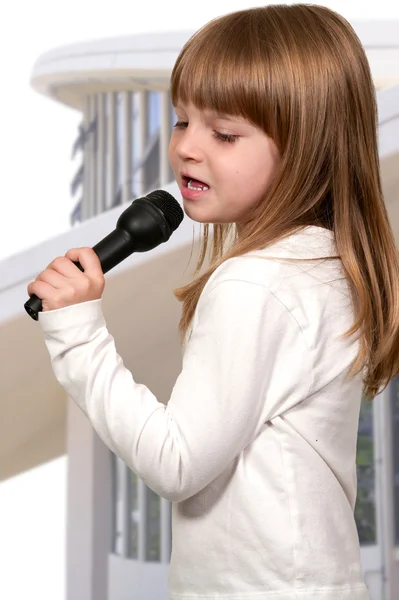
(294, 318)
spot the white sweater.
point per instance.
(256, 448)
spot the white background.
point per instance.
(35, 145)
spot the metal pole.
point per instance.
(127, 147)
(386, 493)
(111, 149)
(101, 155)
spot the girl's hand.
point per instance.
(63, 283)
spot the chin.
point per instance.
(203, 218)
(195, 215)
(206, 220)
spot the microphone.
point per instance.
(145, 224)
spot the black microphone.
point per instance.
(147, 222)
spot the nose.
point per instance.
(188, 145)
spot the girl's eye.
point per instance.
(225, 137)
(181, 124)
(221, 137)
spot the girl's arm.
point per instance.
(246, 362)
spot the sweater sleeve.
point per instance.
(245, 363)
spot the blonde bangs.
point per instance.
(224, 73)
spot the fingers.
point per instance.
(62, 283)
(40, 288)
(88, 259)
(53, 278)
(62, 266)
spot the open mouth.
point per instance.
(194, 184)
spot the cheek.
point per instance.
(171, 152)
(173, 141)
(250, 182)
(173, 158)
(260, 172)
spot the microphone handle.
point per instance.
(111, 250)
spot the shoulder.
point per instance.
(240, 285)
(258, 281)
(251, 269)
(238, 306)
(286, 259)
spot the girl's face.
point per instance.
(223, 165)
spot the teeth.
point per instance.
(191, 187)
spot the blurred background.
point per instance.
(85, 122)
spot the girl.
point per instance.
(295, 317)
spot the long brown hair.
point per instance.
(299, 72)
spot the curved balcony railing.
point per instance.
(124, 140)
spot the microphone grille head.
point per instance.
(169, 206)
